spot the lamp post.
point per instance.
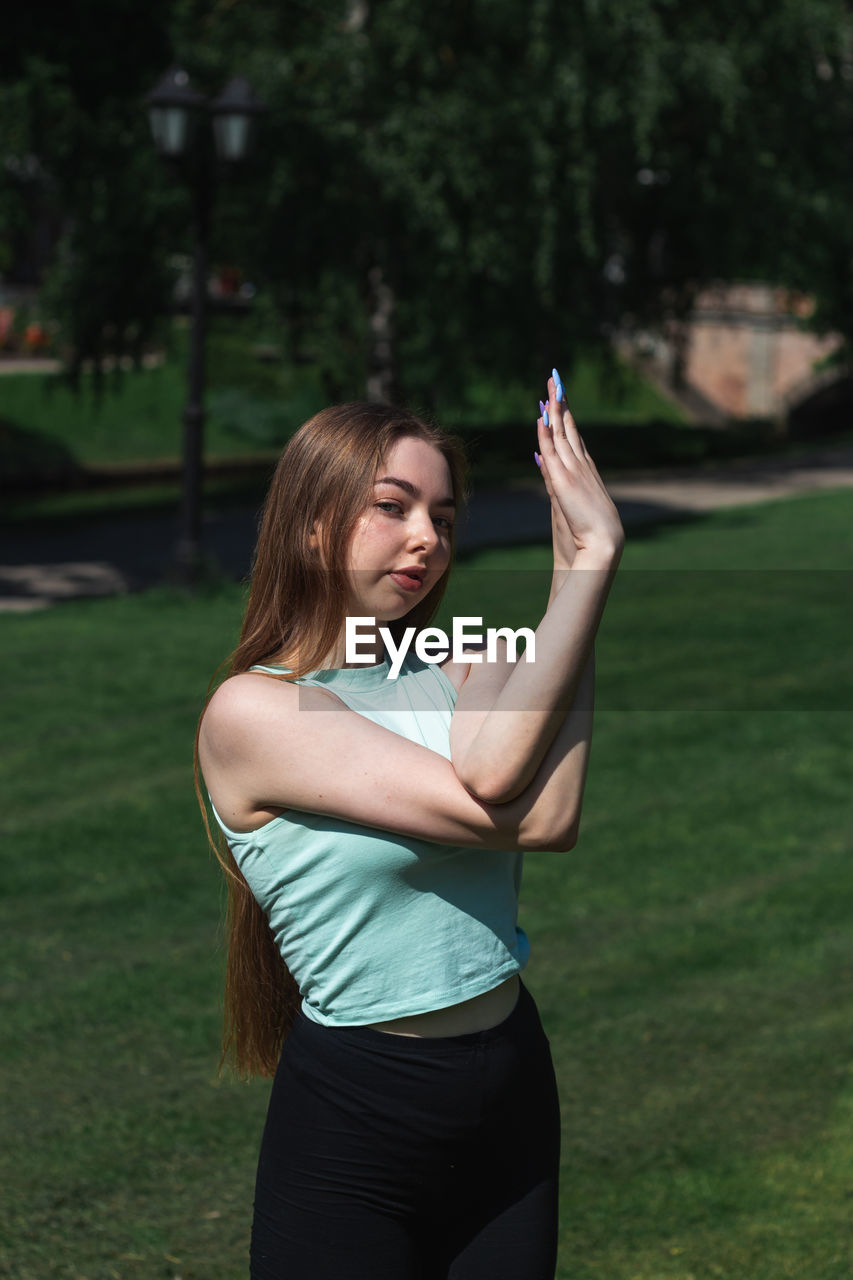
(178, 115)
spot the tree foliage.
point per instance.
(77, 167)
(485, 184)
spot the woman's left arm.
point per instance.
(510, 719)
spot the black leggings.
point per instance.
(390, 1157)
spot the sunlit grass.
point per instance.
(692, 957)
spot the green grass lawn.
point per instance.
(692, 957)
(138, 416)
(253, 407)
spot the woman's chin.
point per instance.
(387, 616)
(385, 611)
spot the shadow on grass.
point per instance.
(34, 458)
(496, 457)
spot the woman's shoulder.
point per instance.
(247, 688)
(247, 706)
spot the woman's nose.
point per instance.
(422, 532)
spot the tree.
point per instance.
(524, 179)
(76, 154)
(472, 185)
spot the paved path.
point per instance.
(114, 554)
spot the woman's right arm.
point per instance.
(267, 744)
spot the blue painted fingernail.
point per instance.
(537, 460)
(558, 384)
(545, 417)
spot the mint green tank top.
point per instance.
(371, 924)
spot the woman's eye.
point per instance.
(394, 509)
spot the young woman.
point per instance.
(375, 829)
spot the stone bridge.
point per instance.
(745, 352)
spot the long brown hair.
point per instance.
(294, 617)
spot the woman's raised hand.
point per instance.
(584, 517)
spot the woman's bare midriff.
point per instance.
(478, 1014)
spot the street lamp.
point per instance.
(177, 115)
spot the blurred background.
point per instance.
(433, 207)
(218, 216)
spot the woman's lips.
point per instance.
(408, 582)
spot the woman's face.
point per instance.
(400, 546)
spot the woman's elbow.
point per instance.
(567, 840)
(493, 792)
(552, 837)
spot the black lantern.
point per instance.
(234, 113)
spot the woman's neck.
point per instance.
(371, 650)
